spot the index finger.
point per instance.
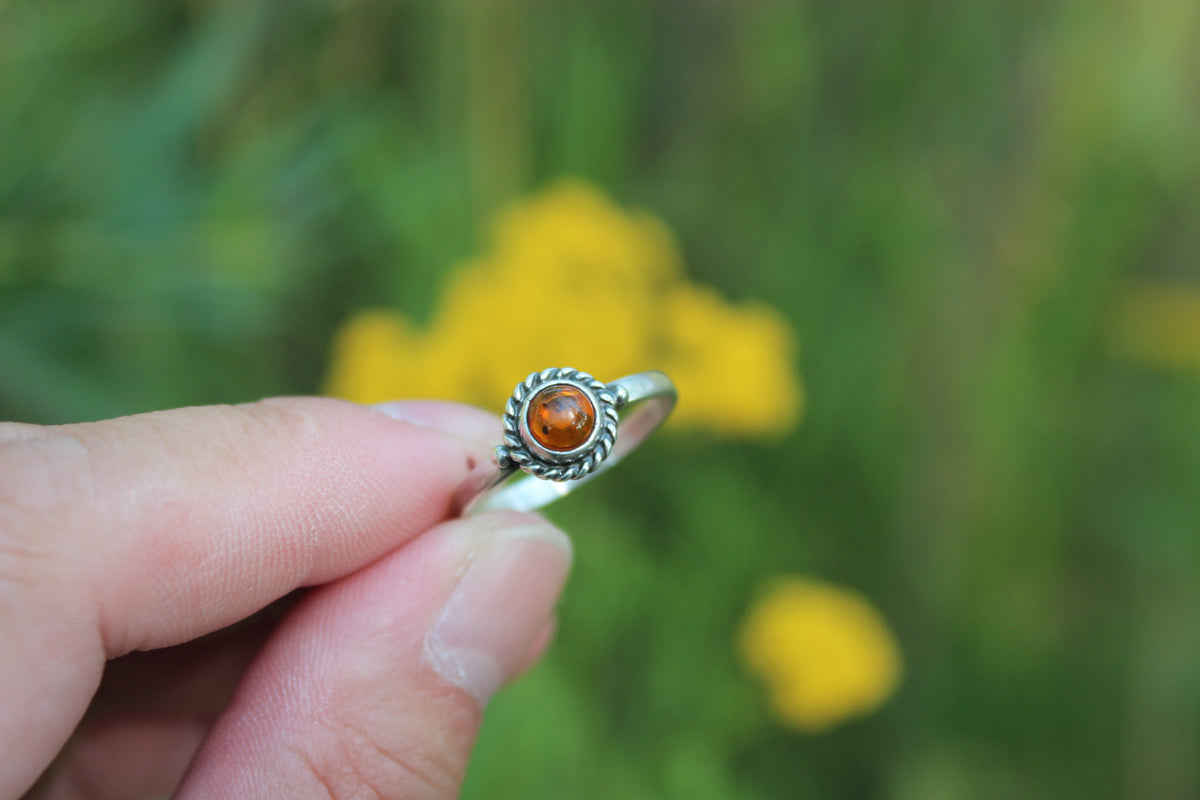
(177, 523)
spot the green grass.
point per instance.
(946, 199)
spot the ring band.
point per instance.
(560, 428)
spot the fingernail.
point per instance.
(507, 592)
(456, 419)
(427, 414)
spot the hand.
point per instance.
(163, 530)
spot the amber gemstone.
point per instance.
(561, 418)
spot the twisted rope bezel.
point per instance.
(517, 452)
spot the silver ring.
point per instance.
(561, 429)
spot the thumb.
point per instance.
(374, 685)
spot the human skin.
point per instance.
(153, 638)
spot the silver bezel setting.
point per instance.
(521, 450)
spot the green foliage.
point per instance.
(946, 199)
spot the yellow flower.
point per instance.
(730, 363)
(570, 279)
(825, 654)
(1158, 324)
(365, 352)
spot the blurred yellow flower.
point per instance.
(570, 279)
(1158, 324)
(825, 654)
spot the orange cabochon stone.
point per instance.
(561, 418)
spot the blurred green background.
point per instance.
(949, 201)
